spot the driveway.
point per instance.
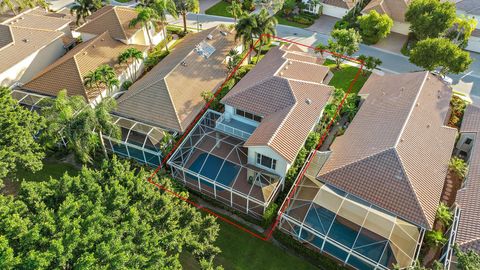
(393, 43)
(323, 25)
(206, 4)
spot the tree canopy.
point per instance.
(344, 42)
(430, 18)
(102, 219)
(18, 148)
(434, 53)
(374, 26)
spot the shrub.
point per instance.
(459, 167)
(457, 106)
(241, 71)
(435, 238)
(248, 5)
(303, 20)
(341, 25)
(269, 215)
(312, 140)
(126, 85)
(154, 58)
(374, 26)
(444, 214)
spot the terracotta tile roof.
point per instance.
(288, 94)
(346, 4)
(395, 153)
(115, 19)
(68, 71)
(37, 20)
(468, 234)
(169, 95)
(395, 9)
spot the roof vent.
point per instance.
(428, 125)
(210, 37)
(286, 67)
(402, 89)
(439, 96)
(183, 63)
(281, 73)
(290, 62)
(308, 101)
(102, 39)
(418, 104)
(401, 140)
(223, 33)
(94, 45)
(25, 40)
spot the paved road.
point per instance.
(468, 83)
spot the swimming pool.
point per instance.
(211, 169)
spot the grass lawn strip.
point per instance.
(343, 77)
(219, 9)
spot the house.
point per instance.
(395, 9)
(369, 200)
(69, 71)
(471, 8)
(29, 42)
(468, 232)
(116, 20)
(241, 156)
(169, 95)
(334, 8)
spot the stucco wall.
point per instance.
(282, 165)
(461, 142)
(230, 112)
(26, 69)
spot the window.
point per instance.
(248, 115)
(266, 161)
(468, 141)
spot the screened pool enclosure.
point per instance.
(348, 228)
(215, 164)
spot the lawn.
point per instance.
(241, 251)
(284, 21)
(343, 77)
(51, 168)
(219, 9)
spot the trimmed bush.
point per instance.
(269, 215)
(126, 85)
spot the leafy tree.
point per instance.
(266, 28)
(162, 8)
(102, 219)
(289, 6)
(234, 59)
(146, 17)
(312, 140)
(320, 48)
(18, 148)
(444, 214)
(84, 8)
(430, 18)
(186, 6)
(469, 260)
(245, 29)
(350, 106)
(131, 54)
(369, 62)
(374, 26)
(435, 238)
(461, 30)
(433, 53)
(16, 6)
(459, 167)
(236, 10)
(343, 42)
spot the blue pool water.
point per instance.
(211, 169)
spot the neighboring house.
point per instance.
(116, 20)
(169, 95)
(468, 233)
(369, 200)
(69, 71)
(334, 8)
(240, 157)
(29, 42)
(471, 8)
(395, 9)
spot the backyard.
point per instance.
(343, 77)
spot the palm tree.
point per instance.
(236, 10)
(266, 28)
(102, 122)
(233, 60)
(108, 77)
(20, 5)
(185, 6)
(162, 8)
(92, 79)
(245, 29)
(84, 8)
(459, 167)
(146, 17)
(135, 56)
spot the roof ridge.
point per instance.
(173, 104)
(120, 23)
(358, 160)
(411, 110)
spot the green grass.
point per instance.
(51, 168)
(123, 1)
(241, 251)
(343, 77)
(284, 21)
(219, 9)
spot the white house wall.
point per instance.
(282, 165)
(230, 112)
(27, 68)
(141, 37)
(462, 146)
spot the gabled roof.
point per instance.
(68, 71)
(169, 95)
(395, 153)
(288, 94)
(395, 9)
(346, 4)
(468, 233)
(115, 19)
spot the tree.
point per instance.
(107, 218)
(146, 17)
(18, 148)
(233, 59)
(430, 18)
(459, 167)
(343, 42)
(16, 6)
(236, 10)
(369, 62)
(374, 26)
(84, 8)
(103, 76)
(469, 260)
(461, 30)
(245, 29)
(162, 8)
(266, 28)
(321, 48)
(185, 6)
(444, 214)
(350, 106)
(288, 7)
(434, 53)
(134, 55)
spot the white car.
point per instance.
(446, 79)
